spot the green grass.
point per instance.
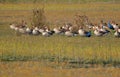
(94, 50)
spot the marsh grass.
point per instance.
(73, 50)
(68, 51)
(38, 17)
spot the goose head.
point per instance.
(12, 26)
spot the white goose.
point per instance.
(45, 34)
(117, 34)
(115, 26)
(98, 33)
(12, 26)
(82, 32)
(57, 31)
(35, 32)
(22, 30)
(41, 30)
(69, 33)
(104, 30)
(16, 28)
(28, 30)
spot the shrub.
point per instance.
(38, 17)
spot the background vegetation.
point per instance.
(24, 55)
(56, 1)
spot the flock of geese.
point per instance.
(101, 29)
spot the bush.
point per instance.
(38, 18)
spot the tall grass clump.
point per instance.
(38, 17)
(81, 20)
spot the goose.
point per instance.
(12, 26)
(23, 24)
(45, 34)
(84, 33)
(115, 26)
(41, 30)
(51, 32)
(28, 30)
(98, 33)
(67, 25)
(88, 33)
(69, 33)
(118, 29)
(104, 31)
(89, 26)
(117, 34)
(81, 32)
(16, 28)
(110, 26)
(35, 32)
(103, 28)
(57, 31)
(36, 28)
(22, 30)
